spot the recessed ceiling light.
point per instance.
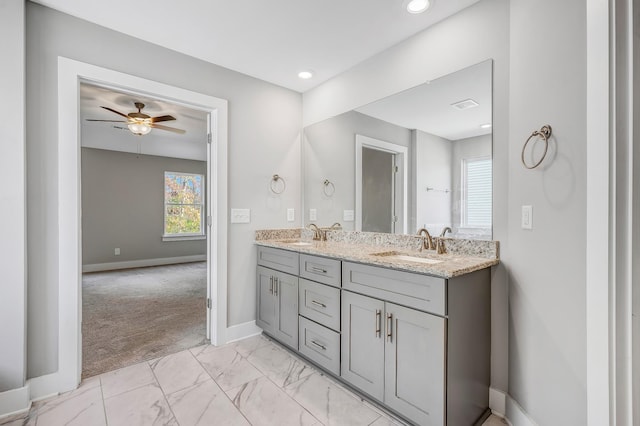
(418, 6)
(485, 126)
(305, 75)
(466, 104)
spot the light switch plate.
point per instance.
(116, 251)
(348, 215)
(240, 215)
(527, 217)
(291, 215)
(313, 214)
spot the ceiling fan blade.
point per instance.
(169, 129)
(108, 121)
(162, 118)
(113, 110)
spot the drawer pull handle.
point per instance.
(390, 327)
(378, 322)
(322, 305)
(318, 270)
(324, 348)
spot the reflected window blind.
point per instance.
(477, 192)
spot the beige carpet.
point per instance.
(134, 315)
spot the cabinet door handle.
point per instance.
(378, 322)
(390, 327)
(324, 348)
(275, 286)
(271, 284)
(318, 270)
(322, 305)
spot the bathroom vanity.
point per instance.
(410, 330)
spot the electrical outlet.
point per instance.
(348, 215)
(291, 215)
(240, 215)
(527, 217)
(116, 251)
(313, 214)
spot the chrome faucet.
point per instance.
(317, 233)
(445, 230)
(427, 242)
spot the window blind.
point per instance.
(477, 192)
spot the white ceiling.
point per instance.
(272, 40)
(428, 107)
(116, 137)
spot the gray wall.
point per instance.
(473, 35)
(123, 206)
(547, 293)
(330, 153)
(12, 196)
(264, 139)
(433, 170)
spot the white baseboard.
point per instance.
(516, 415)
(497, 402)
(14, 401)
(242, 331)
(98, 267)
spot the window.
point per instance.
(183, 205)
(476, 192)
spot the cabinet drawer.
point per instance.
(280, 260)
(320, 303)
(320, 269)
(422, 292)
(320, 345)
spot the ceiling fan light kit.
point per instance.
(140, 123)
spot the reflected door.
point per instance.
(378, 190)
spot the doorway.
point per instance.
(70, 74)
(144, 210)
(381, 186)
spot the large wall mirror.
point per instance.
(421, 158)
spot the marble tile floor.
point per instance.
(250, 382)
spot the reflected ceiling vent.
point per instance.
(466, 104)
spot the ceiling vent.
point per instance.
(466, 104)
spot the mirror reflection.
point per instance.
(421, 158)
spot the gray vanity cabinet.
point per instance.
(278, 305)
(363, 343)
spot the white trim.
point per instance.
(70, 74)
(242, 331)
(142, 263)
(14, 401)
(515, 414)
(598, 248)
(497, 402)
(174, 237)
(403, 151)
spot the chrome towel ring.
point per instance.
(328, 188)
(273, 185)
(544, 133)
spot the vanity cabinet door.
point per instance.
(415, 364)
(266, 302)
(362, 346)
(286, 295)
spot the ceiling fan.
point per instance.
(140, 123)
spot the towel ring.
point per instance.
(273, 185)
(329, 188)
(545, 134)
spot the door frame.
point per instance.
(70, 74)
(402, 156)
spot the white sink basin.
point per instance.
(392, 255)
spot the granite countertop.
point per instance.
(449, 265)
